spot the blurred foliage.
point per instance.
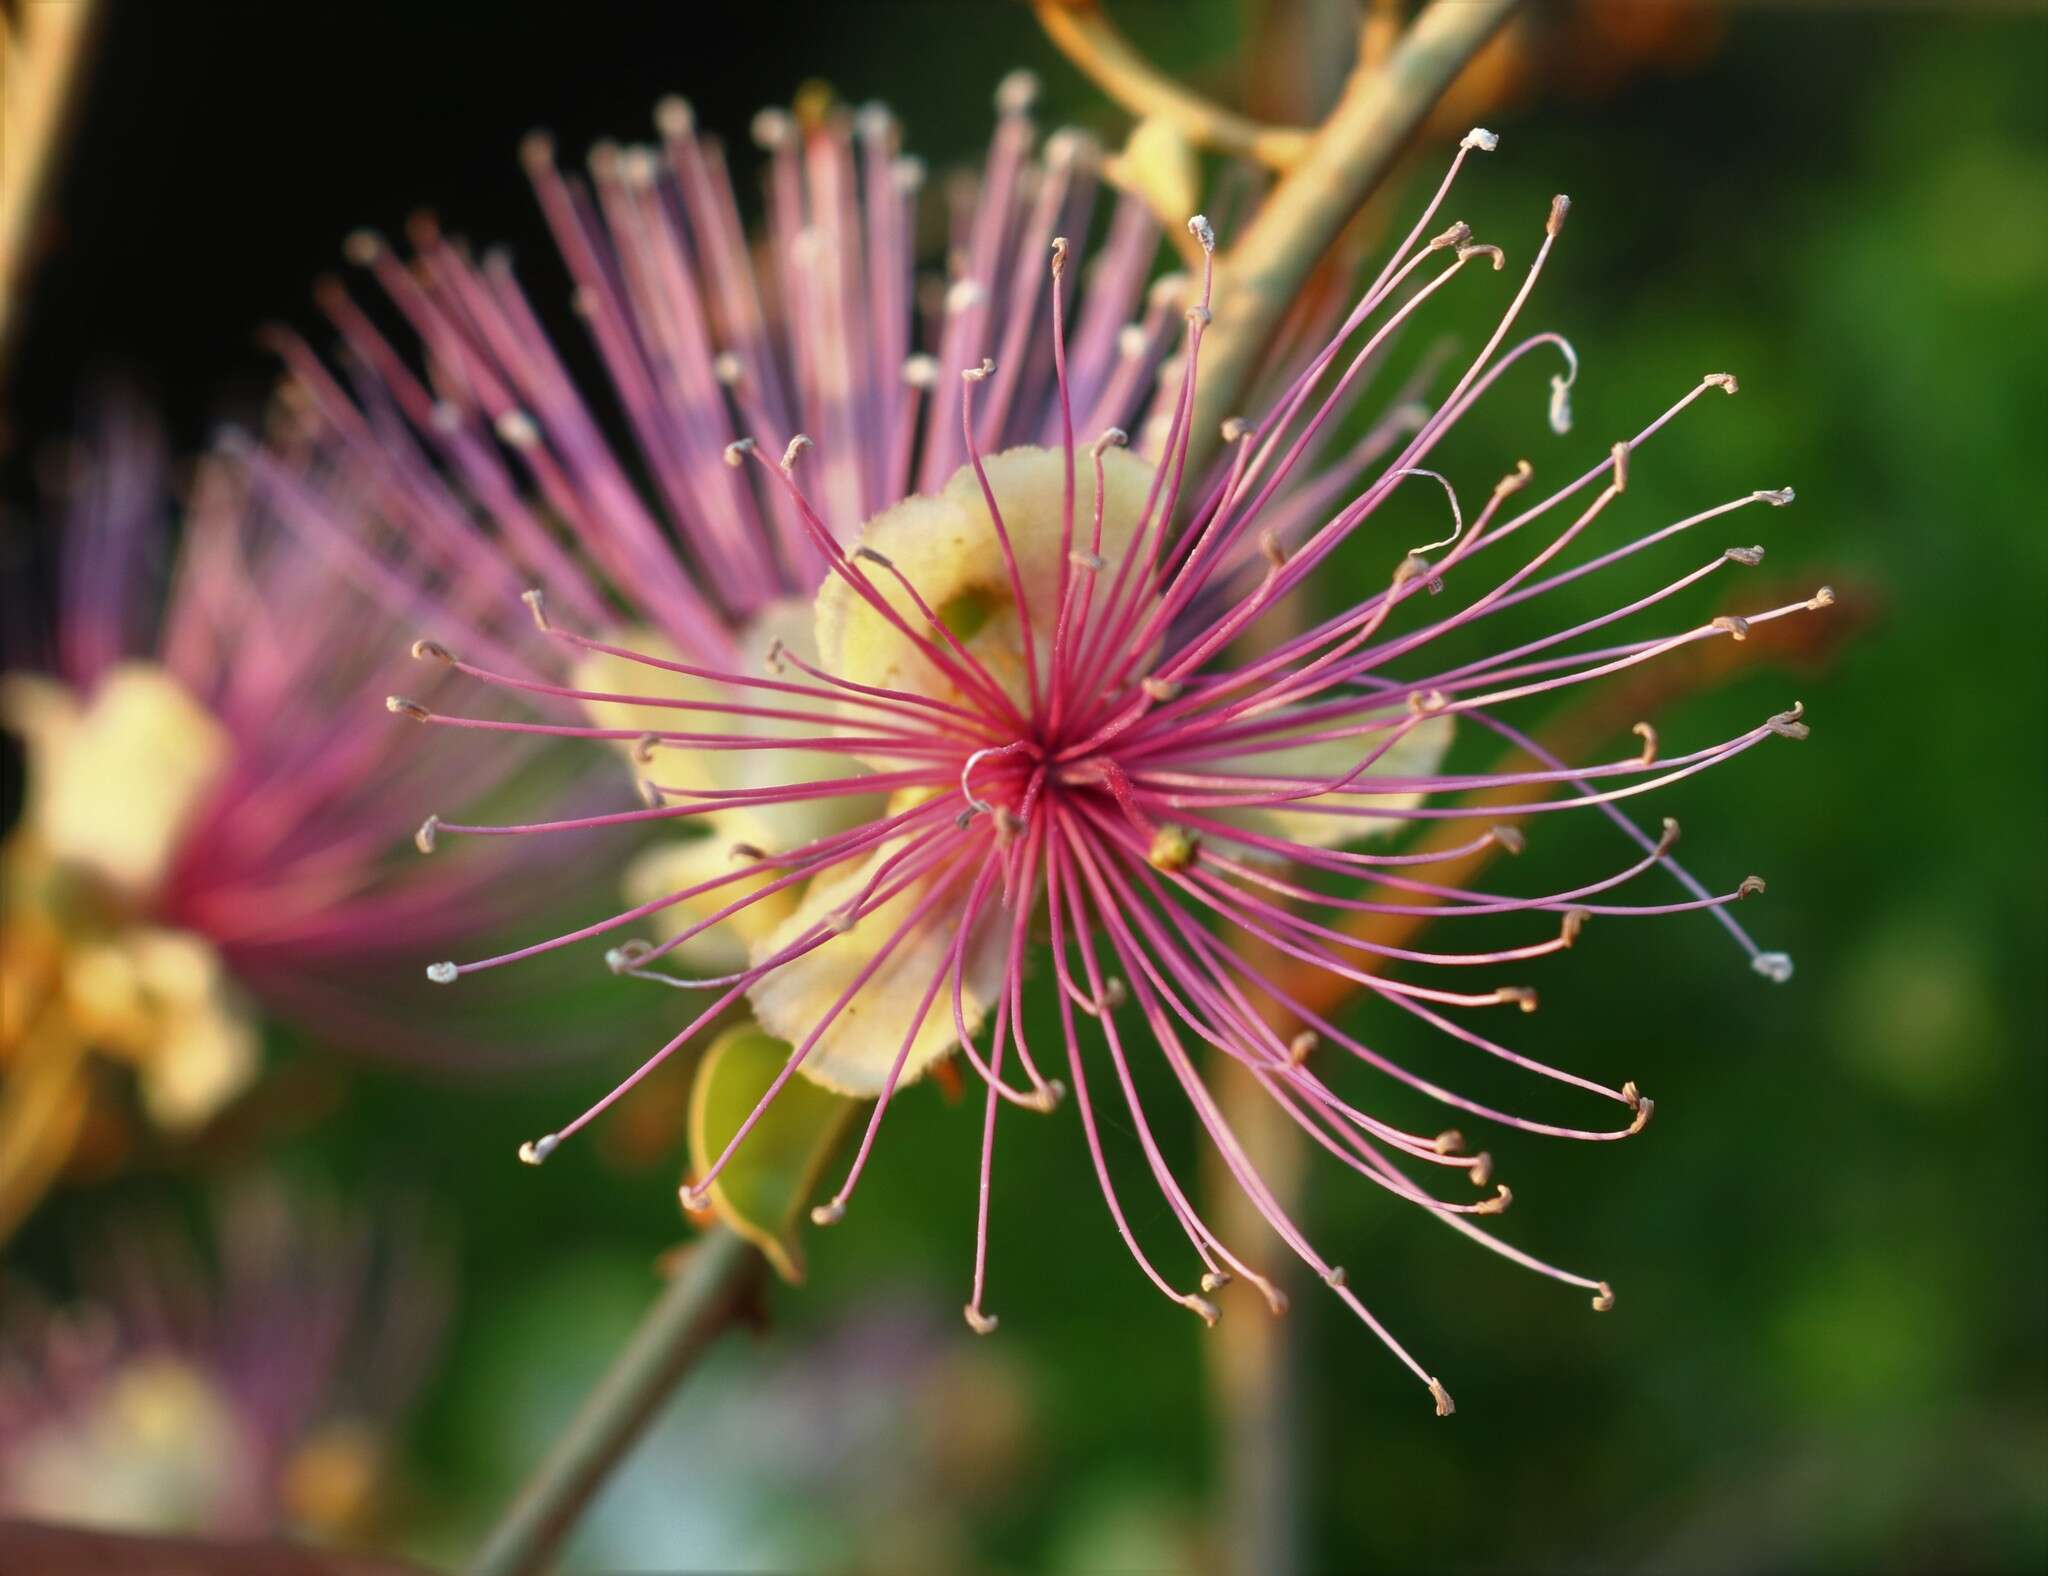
(1829, 1250)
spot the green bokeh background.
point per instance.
(1829, 1348)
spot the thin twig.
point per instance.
(714, 1282)
(43, 53)
(1087, 37)
(1346, 158)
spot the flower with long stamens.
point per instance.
(205, 825)
(250, 1389)
(464, 414)
(1098, 777)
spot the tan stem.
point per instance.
(43, 45)
(1260, 273)
(1087, 37)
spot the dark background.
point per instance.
(1829, 1352)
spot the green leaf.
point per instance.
(763, 1189)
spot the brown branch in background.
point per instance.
(81, 1551)
(1090, 40)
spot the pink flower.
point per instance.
(206, 819)
(249, 1390)
(1039, 677)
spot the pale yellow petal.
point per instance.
(600, 673)
(1418, 753)
(203, 1058)
(114, 782)
(681, 863)
(690, 768)
(945, 545)
(853, 1056)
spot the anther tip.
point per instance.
(442, 973)
(1603, 1299)
(1791, 724)
(1017, 92)
(1334, 1277)
(1773, 966)
(537, 604)
(431, 651)
(1482, 139)
(1173, 850)
(1752, 886)
(674, 116)
(536, 1150)
(695, 1199)
(424, 838)
(537, 150)
(1203, 231)
(398, 705)
(771, 128)
(1215, 1280)
(828, 1214)
(1560, 403)
(1560, 205)
(977, 1321)
(1203, 1309)
(1510, 839)
(1445, 1406)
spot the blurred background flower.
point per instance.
(247, 1384)
(212, 816)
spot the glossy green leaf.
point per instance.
(764, 1188)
